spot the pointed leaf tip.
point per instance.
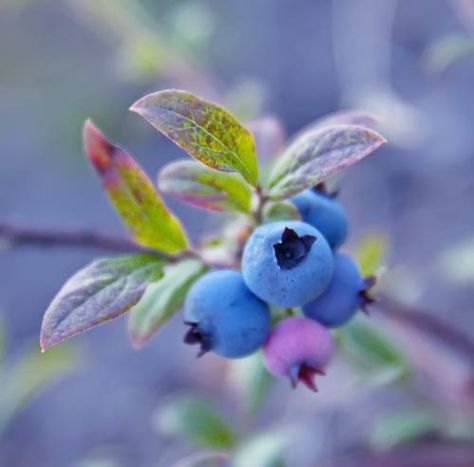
(98, 293)
(133, 195)
(319, 154)
(98, 149)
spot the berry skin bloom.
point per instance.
(298, 348)
(287, 263)
(323, 213)
(224, 316)
(344, 296)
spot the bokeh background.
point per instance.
(411, 64)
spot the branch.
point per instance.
(424, 321)
(428, 323)
(18, 236)
(434, 454)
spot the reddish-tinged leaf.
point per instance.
(204, 130)
(205, 188)
(133, 194)
(101, 291)
(319, 154)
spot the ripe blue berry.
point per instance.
(298, 348)
(287, 263)
(344, 295)
(225, 317)
(325, 214)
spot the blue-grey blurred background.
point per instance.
(409, 63)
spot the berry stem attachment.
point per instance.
(195, 336)
(365, 297)
(305, 374)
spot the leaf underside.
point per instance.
(204, 130)
(319, 154)
(98, 293)
(204, 188)
(162, 299)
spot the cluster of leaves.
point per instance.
(224, 176)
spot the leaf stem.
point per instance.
(262, 198)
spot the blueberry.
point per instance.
(224, 316)
(298, 348)
(325, 214)
(345, 294)
(287, 263)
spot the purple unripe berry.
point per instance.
(224, 316)
(287, 263)
(323, 213)
(344, 296)
(298, 348)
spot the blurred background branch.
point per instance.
(400, 390)
(430, 323)
(12, 235)
(15, 236)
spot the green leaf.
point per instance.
(371, 253)
(280, 211)
(371, 350)
(448, 50)
(162, 299)
(204, 130)
(262, 450)
(31, 374)
(205, 188)
(404, 427)
(133, 194)
(319, 154)
(252, 381)
(101, 291)
(195, 420)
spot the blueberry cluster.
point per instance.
(291, 266)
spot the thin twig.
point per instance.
(261, 200)
(432, 454)
(18, 236)
(428, 323)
